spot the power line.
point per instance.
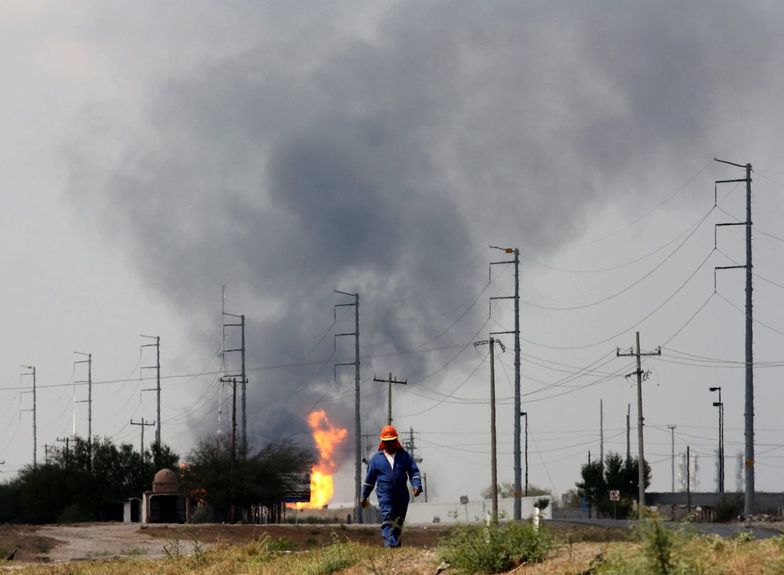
(636, 220)
(636, 324)
(629, 286)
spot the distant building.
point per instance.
(165, 503)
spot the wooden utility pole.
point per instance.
(390, 381)
(143, 424)
(640, 420)
(493, 440)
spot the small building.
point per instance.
(132, 510)
(165, 503)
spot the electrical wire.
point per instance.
(636, 220)
(629, 286)
(778, 331)
(639, 322)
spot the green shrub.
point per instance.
(477, 549)
(339, 555)
(728, 508)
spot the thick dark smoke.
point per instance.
(385, 165)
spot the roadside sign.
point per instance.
(464, 499)
(615, 495)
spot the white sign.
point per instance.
(615, 495)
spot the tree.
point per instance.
(261, 478)
(506, 491)
(86, 482)
(616, 474)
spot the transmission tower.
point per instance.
(89, 400)
(518, 475)
(240, 378)
(157, 388)
(34, 410)
(357, 423)
(748, 504)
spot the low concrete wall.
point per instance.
(472, 512)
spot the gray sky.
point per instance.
(151, 154)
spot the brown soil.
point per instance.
(24, 543)
(300, 536)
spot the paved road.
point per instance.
(727, 530)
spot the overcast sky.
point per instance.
(153, 153)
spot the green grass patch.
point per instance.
(494, 549)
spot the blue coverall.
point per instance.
(391, 491)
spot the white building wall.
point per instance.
(472, 512)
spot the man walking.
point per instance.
(389, 471)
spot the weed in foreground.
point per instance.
(339, 555)
(494, 549)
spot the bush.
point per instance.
(75, 514)
(728, 508)
(474, 549)
(340, 555)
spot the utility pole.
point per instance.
(88, 401)
(243, 379)
(672, 453)
(143, 424)
(67, 441)
(641, 455)
(157, 388)
(720, 405)
(233, 432)
(411, 446)
(628, 431)
(390, 381)
(35, 412)
(517, 406)
(688, 479)
(748, 504)
(493, 442)
(601, 435)
(357, 422)
(526, 453)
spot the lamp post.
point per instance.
(720, 405)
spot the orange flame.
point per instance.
(327, 438)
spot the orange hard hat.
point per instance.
(388, 433)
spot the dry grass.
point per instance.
(690, 554)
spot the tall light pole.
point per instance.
(720, 405)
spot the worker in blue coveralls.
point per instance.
(389, 470)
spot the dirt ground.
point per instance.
(76, 542)
(301, 536)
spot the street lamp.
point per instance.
(720, 405)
